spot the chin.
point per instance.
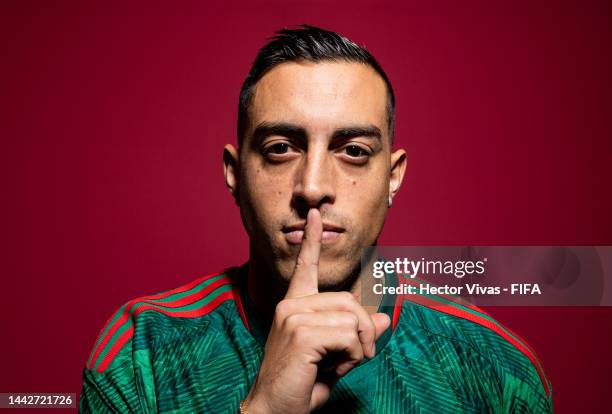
(332, 276)
(337, 277)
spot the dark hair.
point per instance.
(312, 44)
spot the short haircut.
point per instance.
(307, 43)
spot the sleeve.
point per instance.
(527, 391)
(101, 394)
(113, 391)
(110, 380)
(521, 398)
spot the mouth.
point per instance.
(294, 234)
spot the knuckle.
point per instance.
(349, 337)
(353, 343)
(354, 320)
(299, 334)
(348, 297)
(291, 322)
(349, 319)
(282, 310)
(369, 324)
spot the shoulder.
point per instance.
(450, 321)
(206, 300)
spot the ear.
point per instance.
(398, 168)
(231, 170)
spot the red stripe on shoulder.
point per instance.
(127, 335)
(517, 342)
(125, 314)
(240, 307)
(119, 343)
(189, 299)
(397, 310)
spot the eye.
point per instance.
(279, 151)
(355, 154)
(355, 151)
(280, 148)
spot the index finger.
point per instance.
(305, 279)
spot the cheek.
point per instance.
(268, 188)
(367, 208)
(366, 192)
(265, 193)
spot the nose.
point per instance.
(314, 184)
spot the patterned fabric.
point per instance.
(197, 349)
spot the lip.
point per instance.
(294, 234)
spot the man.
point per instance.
(314, 175)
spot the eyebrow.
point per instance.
(371, 131)
(266, 129)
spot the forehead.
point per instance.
(320, 96)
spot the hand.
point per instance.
(315, 338)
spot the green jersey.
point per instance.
(198, 348)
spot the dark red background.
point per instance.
(114, 118)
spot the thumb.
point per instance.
(381, 323)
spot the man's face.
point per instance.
(317, 138)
